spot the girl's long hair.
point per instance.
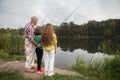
(47, 35)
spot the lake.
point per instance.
(88, 49)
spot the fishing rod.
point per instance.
(47, 17)
(69, 15)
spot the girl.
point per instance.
(49, 41)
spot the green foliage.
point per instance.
(93, 69)
(3, 54)
(11, 75)
(12, 44)
(110, 47)
(80, 66)
(6, 56)
(105, 47)
(12, 31)
(112, 68)
(109, 28)
(14, 75)
(62, 77)
(109, 70)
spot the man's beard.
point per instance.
(34, 25)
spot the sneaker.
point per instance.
(40, 71)
(51, 73)
(46, 73)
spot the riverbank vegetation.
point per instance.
(106, 69)
(15, 75)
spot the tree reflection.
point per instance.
(91, 45)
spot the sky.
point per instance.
(17, 13)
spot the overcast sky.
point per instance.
(16, 13)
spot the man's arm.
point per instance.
(36, 44)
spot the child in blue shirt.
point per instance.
(38, 50)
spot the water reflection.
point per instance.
(71, 48)
(91, 45)
(70, 44)
(65, 59)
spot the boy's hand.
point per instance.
(38, 45)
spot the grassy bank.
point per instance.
(92, 69)
(11, 75)
(108, 70)
(5, 56)
(14, 75)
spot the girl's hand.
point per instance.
(55, 51)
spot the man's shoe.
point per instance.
(29, 70)
(33, 67)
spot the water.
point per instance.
(70, 49)
(65, 59)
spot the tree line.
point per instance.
(107, 28)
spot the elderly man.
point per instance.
(29, 44)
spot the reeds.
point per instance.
(106, 69)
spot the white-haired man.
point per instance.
(29, 44)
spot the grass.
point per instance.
(112, 68)
(93, 69)
(7, 57)
(14, 75)
(62, 77)
(109, 70)
(11, 75)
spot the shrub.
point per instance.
(112, 68)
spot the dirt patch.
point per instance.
(19, 66)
